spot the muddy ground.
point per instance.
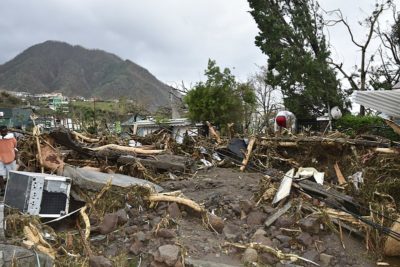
(126, 229)
(229, 194)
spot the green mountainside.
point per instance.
(76, 71)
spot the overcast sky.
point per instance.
(173, 39)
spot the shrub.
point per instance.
(355, 125)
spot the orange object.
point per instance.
(7, 148)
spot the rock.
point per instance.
(201, 263)
(235, 208)
(25, 257)
(122, 216)
(174, 211)
(259, 237)
(268, 209)
(325, 259)
(250, 255)
(246, 205)
(140, 236)
(284, 222)
(99, 261)
(168, 254)
(287, 264)
(131, 229)
(305, 239)
(155, 221)
(276, 243)
(310, 225)
(178, 264)
(109, 223)
(216, 223)
(136, 247)
(259, 232)
(275, 232)
(283, 238)
(231, 232)
(268, 259)
(111, 250)
(166, 233)
(266, 241)
(311, 255)
(157, 264)
(255, 218)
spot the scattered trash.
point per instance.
(310, 172)
(285, 187)
(38, 194)
(150, 200)
(357, 179)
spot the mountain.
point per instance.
(76, 71)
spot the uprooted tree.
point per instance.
(291, 35)
(220, 99)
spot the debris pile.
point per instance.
(265, 201)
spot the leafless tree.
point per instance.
(267, 100)
(389, 52)
(358, 80)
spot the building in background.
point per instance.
(176, 127)
(16, 117)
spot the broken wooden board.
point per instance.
(339, 174)
(278, 214)
(284, 187)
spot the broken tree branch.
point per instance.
(279, 254)
(213, 132)
(285, 141)
(79, 136)
(179, 200)
(128, 149)
(394, 126)
(248, 153)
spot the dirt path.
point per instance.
(229, 194)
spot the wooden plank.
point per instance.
(248, 153)
(278, 214)
(339, 175)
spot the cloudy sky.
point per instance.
(173, 39)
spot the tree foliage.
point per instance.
(291, 36)
(220, 99)
(9, 101)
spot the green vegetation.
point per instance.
(291, 35)
(220, 99)
(76, 71)
(9, 101)
(100, 105)
(354, 125)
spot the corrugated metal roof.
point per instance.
(387, 101)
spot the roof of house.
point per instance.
(386, 101)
